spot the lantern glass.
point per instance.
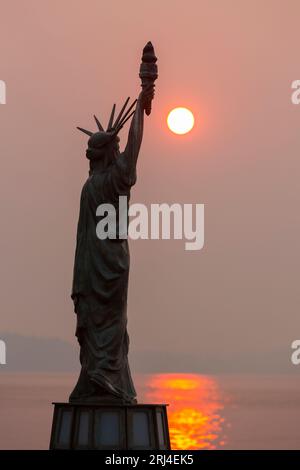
(107, 428)
(140, 431)
(65, 428)
(83, 431)
(160, 430)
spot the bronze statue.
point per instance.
(101, 267)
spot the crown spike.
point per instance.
(123, 122)
(126, 114)
(85, 131)
(120, 113)
(98, 124)
(111, 117)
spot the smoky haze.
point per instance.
(232, 63)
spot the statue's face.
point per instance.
(102, 147)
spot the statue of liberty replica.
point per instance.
(102, 412)
(101, 269)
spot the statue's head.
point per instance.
(105, 144)
(102, 145)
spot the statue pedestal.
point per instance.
(115, 427)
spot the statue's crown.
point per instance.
(102, 137)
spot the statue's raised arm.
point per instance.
(129, 157)
(148, 74)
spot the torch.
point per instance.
(148, 71)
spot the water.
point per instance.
(205, 412)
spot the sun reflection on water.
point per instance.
(194, 413)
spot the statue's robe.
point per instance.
(100, 281)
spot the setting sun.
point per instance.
(180, 120)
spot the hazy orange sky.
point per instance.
(232, 63)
